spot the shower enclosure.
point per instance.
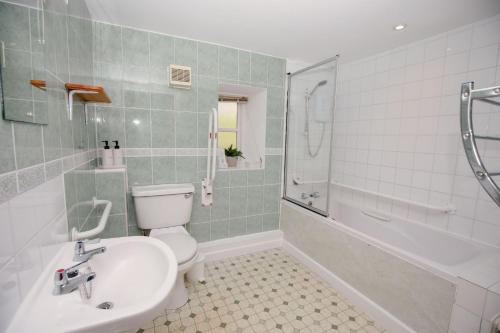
(310, 105)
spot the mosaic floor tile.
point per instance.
(267, 291)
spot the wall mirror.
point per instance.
(22, 74)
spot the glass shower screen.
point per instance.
(311, 93)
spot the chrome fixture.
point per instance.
(306, 129)
(399, 27)
(81, 255)
(314, 195)
(69, 279)
(486, 95)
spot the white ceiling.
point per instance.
(306, 30)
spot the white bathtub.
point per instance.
(442, 252)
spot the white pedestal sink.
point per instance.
(136, 274)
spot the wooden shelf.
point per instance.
(40, 84)
(98, 97)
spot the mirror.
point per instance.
(22, 73)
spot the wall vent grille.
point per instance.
(180, 76)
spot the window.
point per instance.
(228, 124)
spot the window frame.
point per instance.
(236, 130)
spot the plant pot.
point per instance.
(231, 161)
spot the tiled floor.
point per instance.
(267, 291)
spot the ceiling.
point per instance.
(305, 30)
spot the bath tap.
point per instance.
(69, 279)
(315, 195)
(81, 255)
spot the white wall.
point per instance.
(397, 128)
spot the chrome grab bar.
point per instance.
(467, 96)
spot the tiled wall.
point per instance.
(397, 128)
(34, 157)
(163, 131)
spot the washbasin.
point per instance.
(133, 278)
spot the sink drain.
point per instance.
(105, 305)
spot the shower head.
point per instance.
(319, 84)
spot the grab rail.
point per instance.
(449, 209)
(468, 95)
(76, 235)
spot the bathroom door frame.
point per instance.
(325, 212)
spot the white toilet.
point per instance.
(165, 209)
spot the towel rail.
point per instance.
(467, 96)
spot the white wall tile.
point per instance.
(492, 306)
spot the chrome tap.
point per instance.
(69, 279)
(315, 195)
(81, 255)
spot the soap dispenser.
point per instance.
(117, 155)
(107, 156)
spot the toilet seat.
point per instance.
(183, 245)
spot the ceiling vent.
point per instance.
(180, 76)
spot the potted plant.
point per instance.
(232, 155)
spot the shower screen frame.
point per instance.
(325, 212)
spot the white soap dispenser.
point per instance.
(117, 155)
(107, 156)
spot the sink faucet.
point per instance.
(81, 255)
(69, 279)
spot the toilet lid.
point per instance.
(183, 246)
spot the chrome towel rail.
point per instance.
(467, 96)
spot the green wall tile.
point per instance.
(254, 224)
(134, 231)
(162, 101)
(185, 100)
(136, 99)
(163, 129)
(116, 227)
(237, 202)
(6, 147)
(271, 198)
(276, 71)
(186, 169)
(111, 186)
(111, 126)
(273, 169)
(219, 229)
(208, 94)
(139, 171)
(208, 59)
(138, 128)
(108, 43)
(53, 169)
(186, 130)
(16, 73)
(202, 130)
(255, 200)
(238, 178)
(244, 66)
(275, 102)
(161, 50)
(221, 179)
(163, 169)
(228, 63)
(14, 26)
(259, 69)
(135, 47)
(220, 208)
(199, 213)
(274, 133)
(237, 227)
(29, 149)
(186, 53)
(271, 222)
(201, 232)
(255, 177)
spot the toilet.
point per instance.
(165, 209)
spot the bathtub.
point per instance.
(408, 270)
(432, 248)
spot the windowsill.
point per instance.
(242, 168)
